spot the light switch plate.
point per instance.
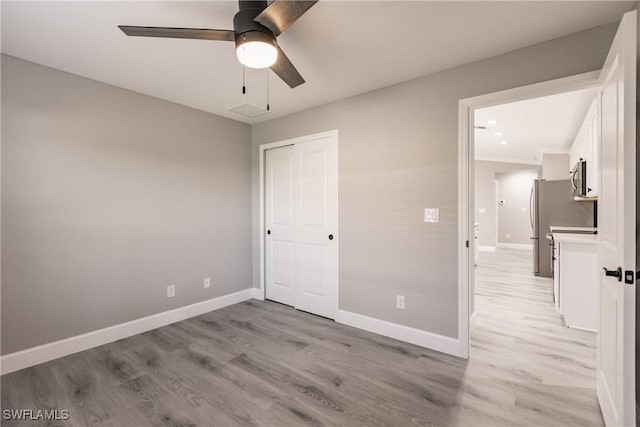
(431, 215)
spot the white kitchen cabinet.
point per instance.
(556, 277)
(592, 167)
(578, 275)
(586, 146)
(576, 151)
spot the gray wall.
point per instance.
(514, 221)
(399, 154)
(485, 195)
(555, 166)
(108, 196)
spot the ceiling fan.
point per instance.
(255, 28)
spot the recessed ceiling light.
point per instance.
(498, 134)
(504, 142)
(492, 122)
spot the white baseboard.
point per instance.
(43, 353)
(487, 248)
(258, 294)
(419, 337)
(524, 246)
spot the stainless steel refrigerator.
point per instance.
(552, 204)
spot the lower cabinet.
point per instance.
(556, 276)
(577, 261)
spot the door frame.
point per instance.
(262, 170)
(466, 188)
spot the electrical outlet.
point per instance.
(400, 302)
(507, 236)
(171, 291)
(207, 282)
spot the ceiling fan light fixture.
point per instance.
(256, 49)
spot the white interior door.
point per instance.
(301, 222)
(617, 228)
(280, 223)
(316, 273)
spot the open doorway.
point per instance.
(535, 228)
(523, 189)
(538, 153)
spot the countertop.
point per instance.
(561, 227)
(587, 239)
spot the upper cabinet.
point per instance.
(587, 147)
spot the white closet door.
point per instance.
(280, 223)
(301, 219)
(316, 256)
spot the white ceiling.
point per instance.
(341, 48)
(531, 127)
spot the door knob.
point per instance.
(330, 236)
(613, 273)
(268, 231)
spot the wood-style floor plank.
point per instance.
(265, 364)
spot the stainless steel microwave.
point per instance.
(579, 179)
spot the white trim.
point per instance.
(487, 248)
(496, 211)
(581, 329)
(262, 148)
(465, 168)
(53, 350)
(415, 336)
(257, 294)
(466, 219)
(522, 246)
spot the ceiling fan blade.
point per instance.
(178, 33)
(280, 14)
(286, 71)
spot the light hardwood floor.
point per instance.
(264, 364)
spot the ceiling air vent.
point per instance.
(248, 110)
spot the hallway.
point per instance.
(545, 370)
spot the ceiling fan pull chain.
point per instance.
(244, 89)
(267, 89)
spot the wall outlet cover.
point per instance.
(207, 282)
(431, 215)
(400, 302)
(171, 291)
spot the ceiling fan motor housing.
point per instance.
(246, 28)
